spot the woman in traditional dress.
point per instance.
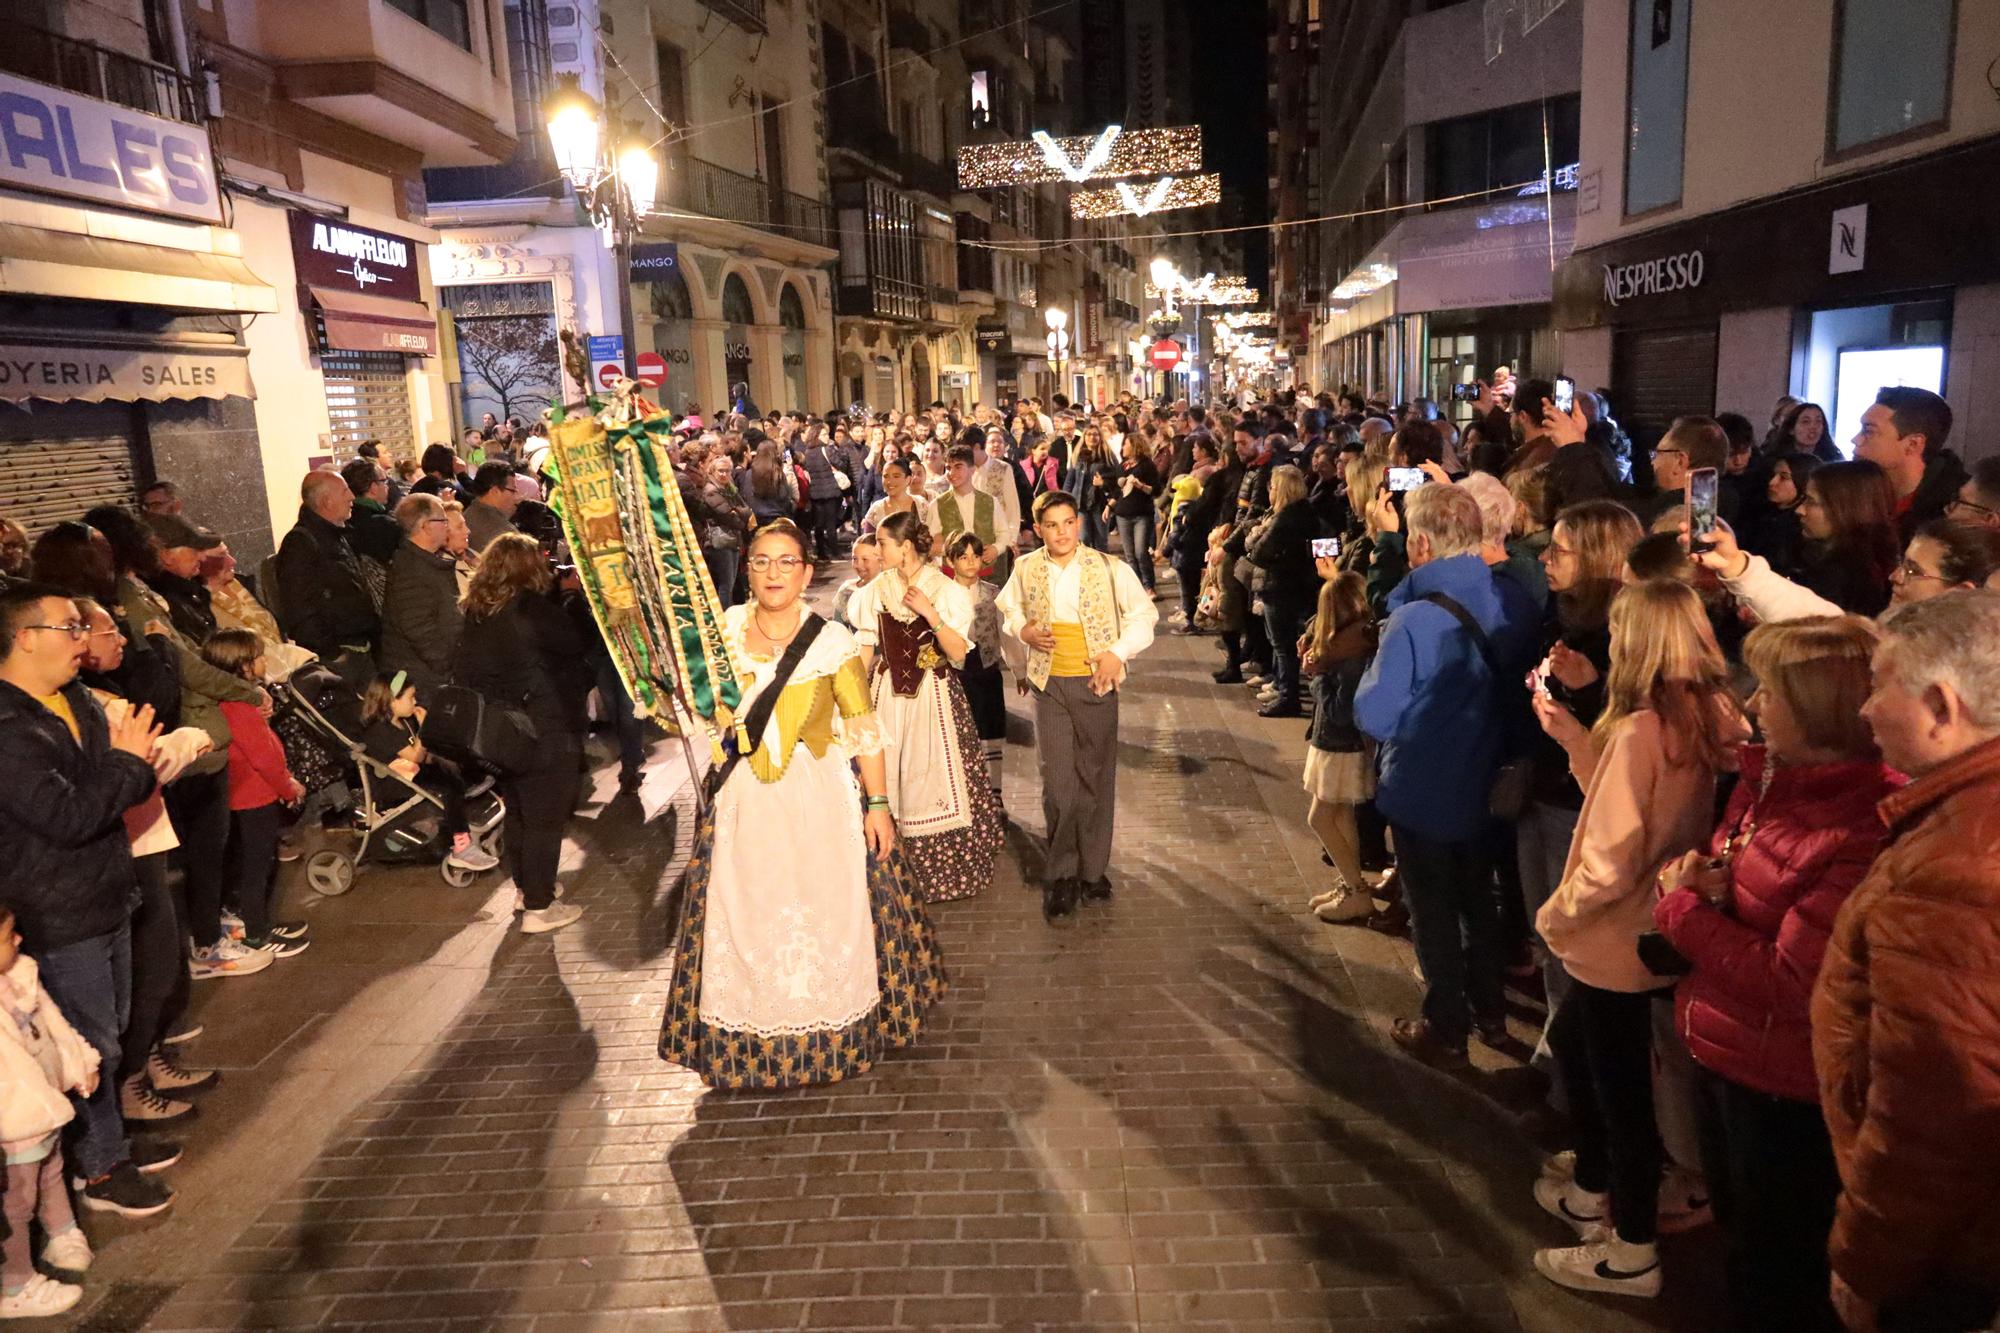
(914, 625)
(803, 950)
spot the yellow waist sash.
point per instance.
(1070, 657)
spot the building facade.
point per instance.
(731, 275)
(219, 265)
(1458, 191)
(1836, 248)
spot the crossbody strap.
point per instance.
(759, 716)
(1472, 627)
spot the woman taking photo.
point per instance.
(519, 650)
(798, 960)
(913, 624)
(898, 498)
(1647, 768)
(767, 485)
(1752, 911)
(1283, 550)
(1090, 479)
(1585, 562)
(1138, 485)
(1848, 517)
(1942, 557)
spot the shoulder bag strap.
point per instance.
(759, 716)
(1472, 627)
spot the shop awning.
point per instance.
(123, 374)
(35, 261)
(358, 323)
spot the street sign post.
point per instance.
(652, 368)
(607, 358)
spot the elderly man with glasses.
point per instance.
(420, 616)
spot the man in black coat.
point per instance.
(370, 530)
(420, 615)
(323, 598)
(67, 876)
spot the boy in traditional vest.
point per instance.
(1082, 616)
(964, 508)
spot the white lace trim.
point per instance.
(862, 736)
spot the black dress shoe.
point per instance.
(1280, 708)
(1227, 676)
(1058, 898)
(1097, 890)
(629, 782)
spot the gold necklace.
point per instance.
(757, 619)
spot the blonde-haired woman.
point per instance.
(1648, 768)
(1282, 548)
(519, 650)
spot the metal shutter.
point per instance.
(1660, 374)
(368, 398)
(44, 481)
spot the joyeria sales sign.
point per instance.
(64, 143)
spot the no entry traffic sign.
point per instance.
(652, 368)
(1166, 354)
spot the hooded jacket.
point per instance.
(1430, 698)
(1906, 1040)
(1805, 836)
(33, 1107)
(67, 872)
(323, 599)
(1943, 476)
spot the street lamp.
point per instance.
(617, 189)
(1058, 321)
(1166, 278)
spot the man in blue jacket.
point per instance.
(67, 873)
(1457, 636)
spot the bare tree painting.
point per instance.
(511, 364)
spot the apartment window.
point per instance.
(1497, 149)
(444, 17)
(982, 100)
(1891, 70)
(1656, 95)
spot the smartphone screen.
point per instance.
(1325, 548)
(1407, 478)
(1565, 393)
(1702, 489)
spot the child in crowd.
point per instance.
(867, 557)
(985, 685)
(259, 783)
(1340, 772)
(390, 718)
(41, 1058)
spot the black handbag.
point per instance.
(464, 724)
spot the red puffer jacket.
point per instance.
(1805, 838)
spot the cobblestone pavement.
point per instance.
(1174, 1110)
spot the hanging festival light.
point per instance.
(1127, 200)
(1238, 319)
(1207, 290)
(1106, 155)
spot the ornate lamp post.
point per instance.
(616, 186)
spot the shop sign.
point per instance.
(94, 374)
(992, 340)
(1654, 277)
(736, 351)
(57, 142)
(1847, 248)
(655, 259)
(340, 256)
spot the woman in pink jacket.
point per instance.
(1753, 912)
(1648, 770)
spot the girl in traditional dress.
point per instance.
(985, 683)
(803, 950)
(914, 625)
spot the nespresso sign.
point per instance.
(1654, 277)
(343, 257)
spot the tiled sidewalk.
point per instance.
(1176, 1109)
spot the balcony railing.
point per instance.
(921, 173)
(861, 134)
(696, 186)
(97, 71)
(743, 13)
(910, 33)
(878, 296)
(530, 173)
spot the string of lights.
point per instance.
(1110, 153)
(1127, 200)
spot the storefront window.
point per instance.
(792, 318)
(1892, 65)
(673, 335)
(1496, 149)
(1657, 120)
(1855, 351)
(737, 316)
(509, 362)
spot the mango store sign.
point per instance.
(65, 143)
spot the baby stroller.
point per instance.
(399, 820)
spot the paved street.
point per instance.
(1174, 1110)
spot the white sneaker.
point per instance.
(232, 925)
(1346, 905)
(471, 858)
(1560, 1165)
(1562, 1199)
(43, 1296)
(70, 1251)
(553, 917)
(1683, 1201)
(521, 899)
(228, 958)
(1614, 1266)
